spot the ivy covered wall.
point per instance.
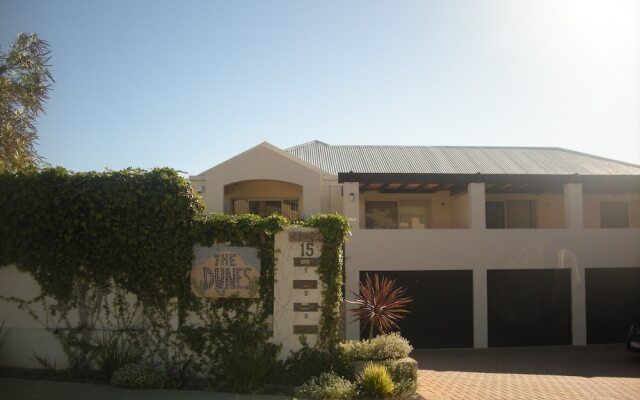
(90, 240)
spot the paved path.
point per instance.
(29, 389)
(602, 372)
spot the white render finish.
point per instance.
(477, 218)
(262, 162)
(573, 213)
(568, 236)
(284, 317)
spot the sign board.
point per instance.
(225, 271)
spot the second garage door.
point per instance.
(441, 314)
(613, 303)
(529, 307)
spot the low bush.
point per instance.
(384, 347)
(327, 385)
(115, 350)
(403, 370)
(248, 370)
(138, 376)
(374, 382)
(310, 361)
(405, 389)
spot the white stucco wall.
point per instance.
(26, 336)
(263, 162)
(480, 249)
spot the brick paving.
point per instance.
(600, 372)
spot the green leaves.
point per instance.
(133, 226)
(25, 81)
(335, 230)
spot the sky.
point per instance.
(189, 84)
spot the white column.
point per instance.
(351, 210)
(216, 199)
(480, 319)
(574, 220)
(573, 207)
(578, 307)
(352, 280)
(351, 203)
(477, 218)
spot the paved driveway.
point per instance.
(606, 372)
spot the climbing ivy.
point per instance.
(335, 230)
(132, 226)
(83, 236)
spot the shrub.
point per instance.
(383, 347)
(115, 350)
(248, 369)
(405, 388)
(375, 382)
(137, 376)
(308, 362)
(327, 385)
(380, 304)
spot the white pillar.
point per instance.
(477, 218)
(574, 220)
(480, 318)
(351, 210)
(573, 206)
(216, 199)
(352, 280)
(578, 307)
(351, 203)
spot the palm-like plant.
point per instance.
(380, 304)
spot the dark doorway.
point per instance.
(442, 308)
(529, 307)
(613, 303)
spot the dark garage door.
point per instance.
(529, 307)
(613, 303)
(442, 308)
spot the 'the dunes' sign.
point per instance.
(225, 271)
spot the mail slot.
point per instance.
(305, 284)
(305, 329)
(305, 307)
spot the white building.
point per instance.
(497, 246)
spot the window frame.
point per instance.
(267, 199)
(505, 210)
(428, 215)
(609, 203)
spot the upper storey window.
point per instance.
(515, 214)
(286, 207)
(402, 214)
(614, 214)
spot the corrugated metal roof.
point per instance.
(457, 160)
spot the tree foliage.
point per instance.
(25, 81)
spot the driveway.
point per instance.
(606, 372)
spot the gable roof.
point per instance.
(457, 160)
(265, 145)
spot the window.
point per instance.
(287, 208)
(381, 214)
(516, 214)
(403, 214)
(614, 214)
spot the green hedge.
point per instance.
(131, 226)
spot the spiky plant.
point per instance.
(380, 304)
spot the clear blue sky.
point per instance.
(188, 84)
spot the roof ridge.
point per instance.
(307, 143)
